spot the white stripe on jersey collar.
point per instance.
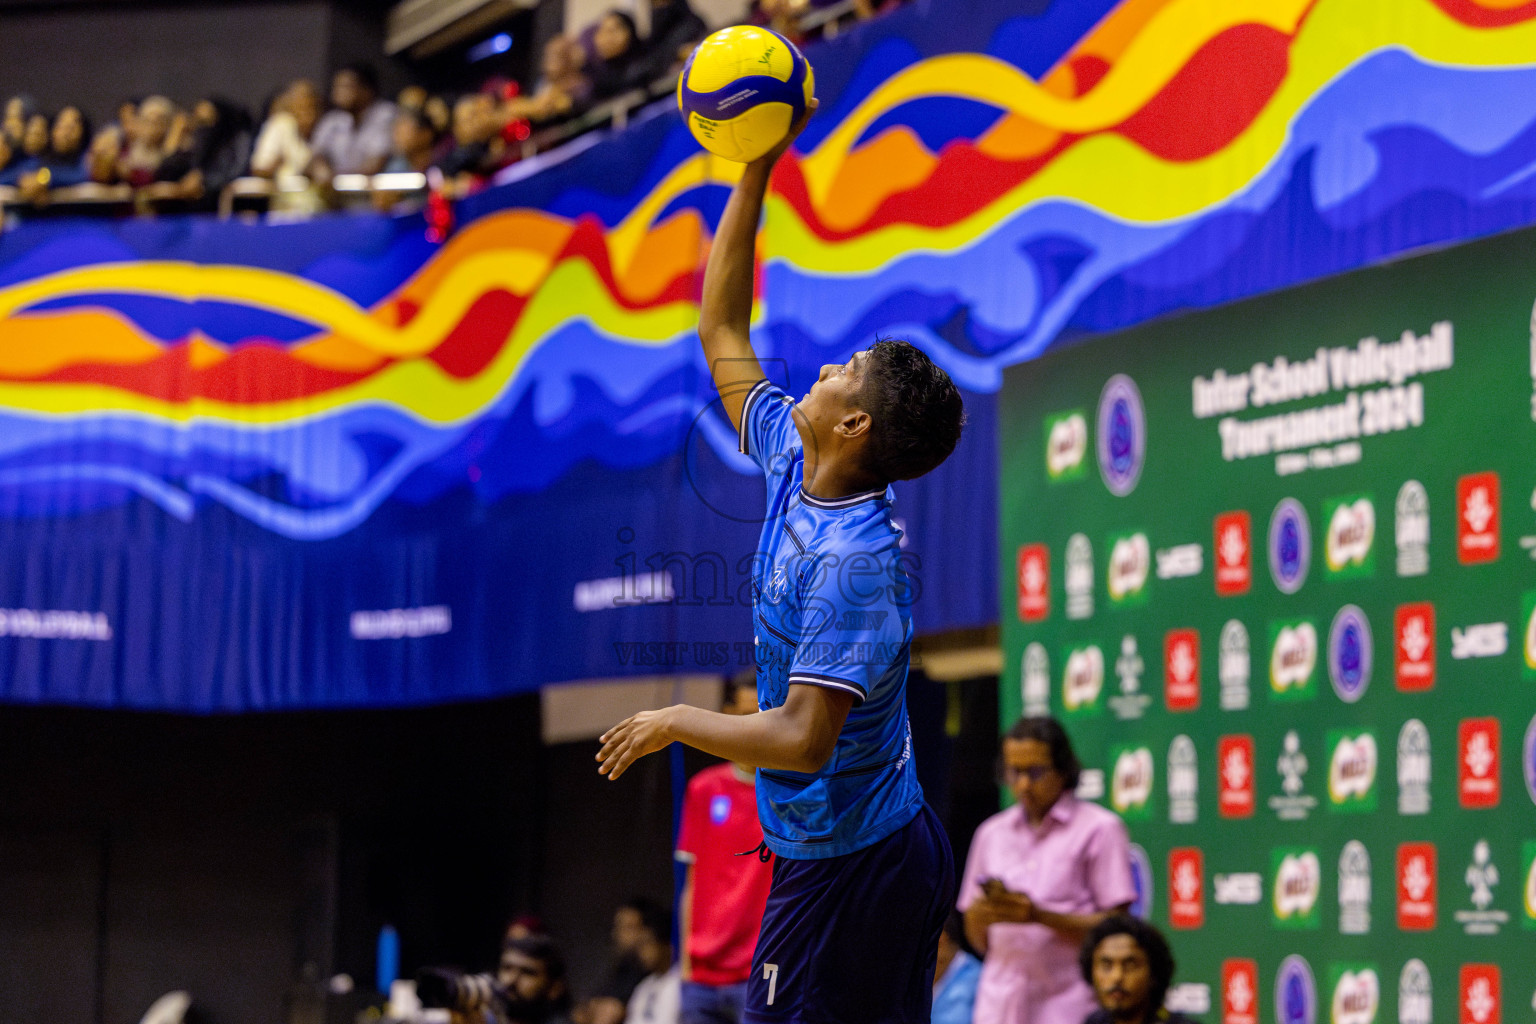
(839, 503)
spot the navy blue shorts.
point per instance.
(852, 939)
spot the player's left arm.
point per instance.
(798, 736)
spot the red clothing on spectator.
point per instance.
(729, 892)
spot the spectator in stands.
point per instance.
(282, 147)
(415, 142)
(101, 160)
(478, 146)
(955, 975)
(675, 30)
(1040, 875)
(531, 976)
(1129, 965)
(8, 177)
(632, 922)
(616, 65)
(14, 122)
(563, 90)
(656, 999)
(64, 164)
(782, 16)
(355, 137)
(29, 157)
(152, 134)
(214, 153)
(723, 893)
(412, 97)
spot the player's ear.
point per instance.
(854, 425)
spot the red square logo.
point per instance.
(1477, 518)
(1234, 553)
(1477, 762)
(1239, 991)
(1034, 580)
(1181, 669)
(1186, 888)
(1415, 651)
(1416, 887)
(1480, 996)
(1234, 766)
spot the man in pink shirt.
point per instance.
(1039, 876)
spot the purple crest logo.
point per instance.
(1349, 653)
(1121, 442)
(1295, 992)
(1290, 545)
(1528, 759)
(1141, 879)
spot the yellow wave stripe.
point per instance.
(419, 388)
(1109, 173)
(1160, 50)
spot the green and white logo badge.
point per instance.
(1528, 641)
(1298, 884)
(1130, 784)
(1352, 763)
(1293, 647)
(1066, 445)
(1349, 547)
(1356, 994)
(1130, 563)
(1082, 679)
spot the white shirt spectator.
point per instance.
(657, 999)
(353, 147)
(280, 150)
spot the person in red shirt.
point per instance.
(724, 894)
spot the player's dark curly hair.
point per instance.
(1159, 956)
(1045, 729)
(916, 410)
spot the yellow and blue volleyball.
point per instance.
(741, 90)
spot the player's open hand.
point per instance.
(631, 740)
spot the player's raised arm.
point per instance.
(725, 311)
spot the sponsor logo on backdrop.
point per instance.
(1238, 888)
(1349, 547)
(1415, 995)
(1082, 678)
(1354, 889)
(1292, 659)
(1066, 445)
(1416, 887)
(1528, 759)
(1480, 994)
(1121, 440)
(1356, 994)
(1183, 781)
(1528, 635)
(1234, 553)
(1484, 640)
(428, 620)
(1180, 561)
(1181, 669)
(1034, 582)
(1477, 518)
(1186, 888)
(1528, 888)
(1233, 666)
(1290, 545)
(1349, 654)
(1413, 768)
(1130, 784)
(1079, 577)
(1528, 542)
(1130, 562)
(1414, 650)
(1188, 997)
(1239, 991)
(1352, 771)
(1141, 881)
(1412, 529)
(1090, 785)
(1130, 703)
(1035, 677)
(1292, 803)
(1295, 992)
(1477, 744)
(1234, 759)
(1482, 878)
(1298, 884)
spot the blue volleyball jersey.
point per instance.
(831, 607)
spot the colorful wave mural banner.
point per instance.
(259, 467)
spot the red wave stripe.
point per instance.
(1469, 12)
(256, 372)
(1207, 103)
(1087, 70)
(1214, 97)
(475, 339)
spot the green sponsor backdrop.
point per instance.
(1394, 409)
